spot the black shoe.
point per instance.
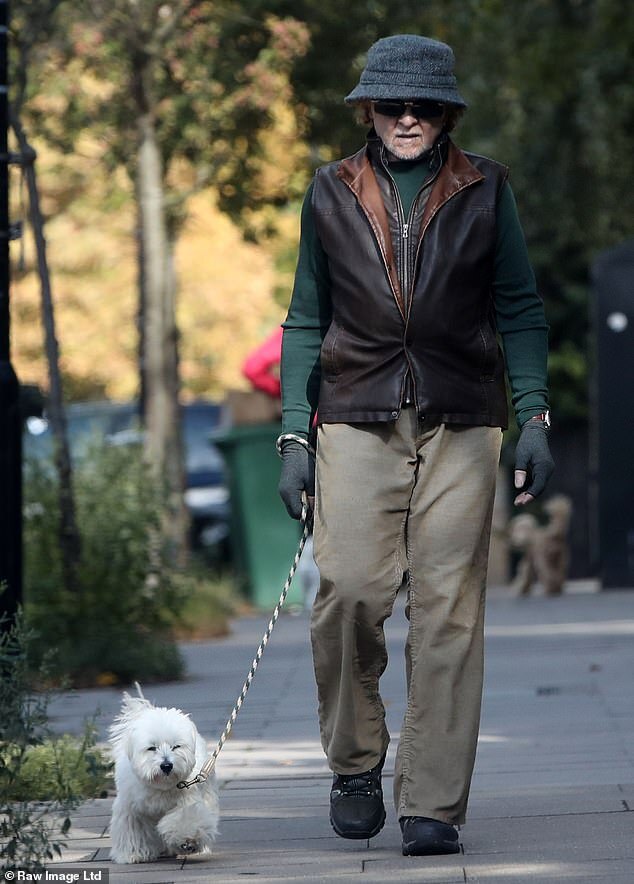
(356, 803)
(425, 837)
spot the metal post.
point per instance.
(10, 421)
(612, 477)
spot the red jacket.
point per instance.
(259, 364)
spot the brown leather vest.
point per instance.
(410, 301)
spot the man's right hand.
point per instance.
(298, 474)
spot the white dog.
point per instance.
(155, 748)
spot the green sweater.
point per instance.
(519, 310)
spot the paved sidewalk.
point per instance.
(553, 794)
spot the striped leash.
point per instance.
(210, 763)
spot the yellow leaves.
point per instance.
(229, 291)
(64, 79)
(282, 153)
(290, 38)
(92, 264)
(225, 299)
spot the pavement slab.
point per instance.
(553, 792)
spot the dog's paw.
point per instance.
(129, 858)
(188, 846)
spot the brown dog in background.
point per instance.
(546, 555)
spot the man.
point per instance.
(411, 261)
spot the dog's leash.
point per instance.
(208, 766)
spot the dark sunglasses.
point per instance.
(422, 110)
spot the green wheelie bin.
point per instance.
(264, 538)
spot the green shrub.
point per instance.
(119, 626)
(209, 602)
(41, 779)
(77, 764)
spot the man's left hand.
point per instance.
(533, 462)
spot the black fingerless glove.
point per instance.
(298, 474)
(532, 454)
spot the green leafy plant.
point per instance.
(41, 779)
(209, 602)
(118, 628)
(75, 765)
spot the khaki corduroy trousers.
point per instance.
(391, 498)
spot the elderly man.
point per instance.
(412, 261)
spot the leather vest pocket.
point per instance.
(489, 354)
(329, 365)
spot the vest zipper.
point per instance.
(410, 295)
(404, 275)
(407, 286)
(404, 229)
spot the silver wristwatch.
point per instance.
(544, 417)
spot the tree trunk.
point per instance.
(163, 447)
(69, 539)
(175, 461)
(140, 317)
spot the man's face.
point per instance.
(406, 136)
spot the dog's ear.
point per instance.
(131, 708)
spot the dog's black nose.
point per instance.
(166, 767)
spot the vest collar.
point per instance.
(357, 173)
(456, 172)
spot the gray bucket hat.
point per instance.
(407, 66)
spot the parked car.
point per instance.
(206, 490)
